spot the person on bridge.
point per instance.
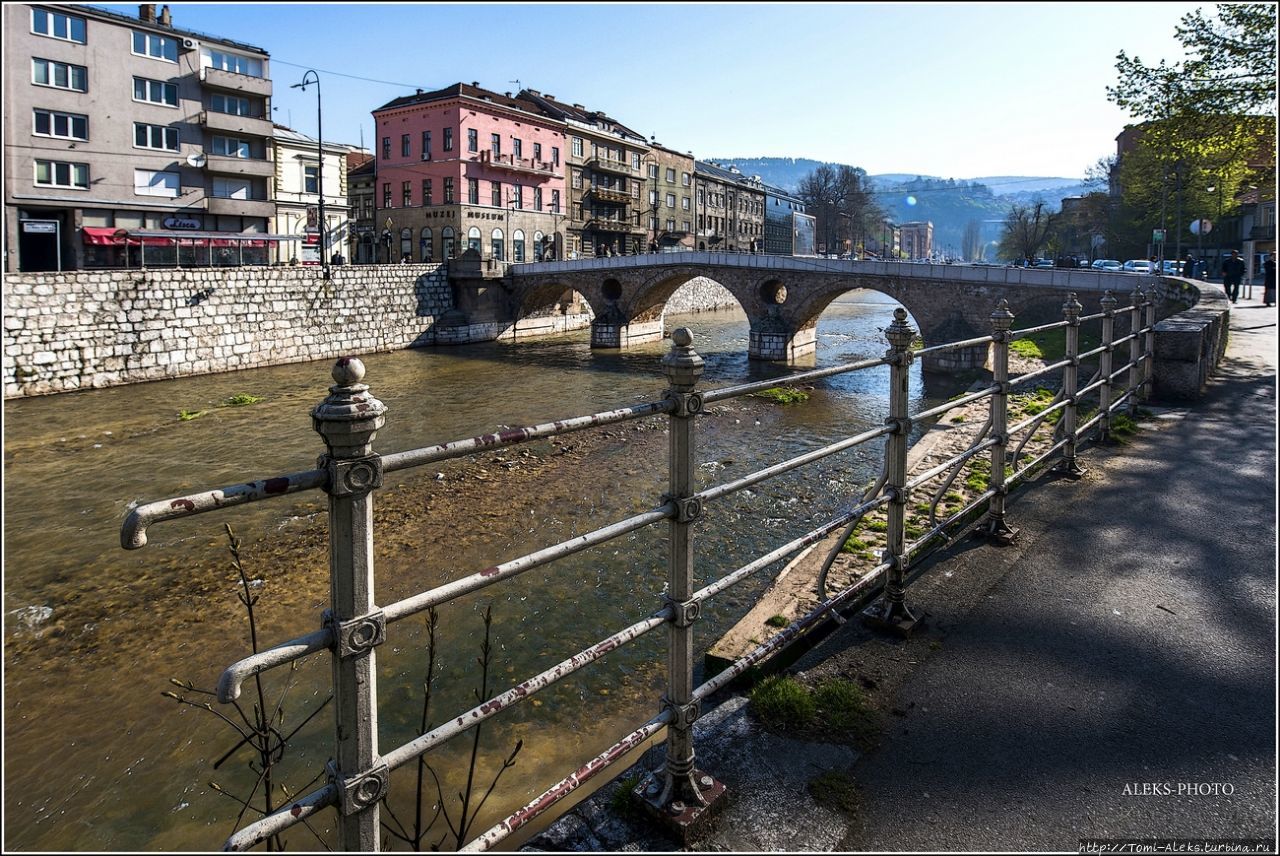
(1232, 273)
(1269, 280)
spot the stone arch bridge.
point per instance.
(784, 295)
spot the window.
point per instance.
(517, 147)
(653, 170)
(406, 243)
(448, 186)
(635, 161)
(537, 199)
(519, 198)
(230, 104)
(68, 126)
(671, 225)
(495, 144)
(424, 245)
(473, 140)
(555, 202)
(685, 225)
(495, 194)
(406, 193)
(386, 194)
(232, 188)
(56, 25)
(59, 174)
(537, 151)
(404, 145)
(473, 239)
(686, 179)
(157, 47)
(235, 63)
(426, 145)
(426, 191)
(473, 191)
(60, 75)
(230, 147)
(577, 147)
(448, 139)
(517, 246)
(575, 179)
(685, 203)
(671, 175)
(496, 243)
(155, 137)
(555, 156)
(446, 242)
(155, 91)
(147, 182)
(386, 148)
(653, 199)
(671, 200)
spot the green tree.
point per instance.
(1026, 230)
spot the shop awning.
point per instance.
(107, 236)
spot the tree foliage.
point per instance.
(1026, 230)
(841, 200)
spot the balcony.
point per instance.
(604, 224)
(226, 122)
(608, 194)
(241, 207)
(511, 163)
(231, 81)
(612, 166)
(251, 167)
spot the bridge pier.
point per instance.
(771, 339)
(611, 330)
(956, 359)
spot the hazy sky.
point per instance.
(959, 90)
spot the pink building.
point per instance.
(463, 167)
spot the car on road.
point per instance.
(1043, 263)
(1107, 265)
(1138, 266)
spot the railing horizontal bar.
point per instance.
(511, 436)
(442, 594)
(237, 673)
(283, 818)
(567, 785)
(915, 545)
(947, 346)
(796, 462)
(1061, 405)
(811, 537)
(478, 714)
(1052, 326)
(946, 465)
(1020, 472)
(1120, 400)
(954, 403)
(1124, 339)
(133, 532)
(1093, 353)
(714, 395)
(1093, 317)
(785, 637)
(1097, 384)
(1124, 369)
(1046, 370)
(1086, 426)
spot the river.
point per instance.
(96, 759)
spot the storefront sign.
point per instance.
(181, 223)
(35, 227)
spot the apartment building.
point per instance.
(362, 236)
(302, 181)
(466, 168)
(916, 239)
(785, 223)
(671, 210)
(604, 163)
(731, 209)
(129, 139)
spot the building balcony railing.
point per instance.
(609, 194)
(605, 224)
(223, 165)
(253, 125)
(231, 81)
(614, 166)
(515, 164)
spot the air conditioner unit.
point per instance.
(190, 44)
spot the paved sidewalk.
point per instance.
(1111, 675)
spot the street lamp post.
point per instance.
(324, 224)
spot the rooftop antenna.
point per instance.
(519, 87)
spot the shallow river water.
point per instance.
(97, 759)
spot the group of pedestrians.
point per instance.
(1233, 270)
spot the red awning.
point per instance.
(100, 236)
(110, 237)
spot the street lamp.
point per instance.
(324, 224)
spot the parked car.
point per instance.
(1172, 267)
(1084, 263)
(1138, 266)
(1107, 265)
(1043, 263)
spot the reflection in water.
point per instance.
(97, 760)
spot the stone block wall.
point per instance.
(700, 295)
(83, 329)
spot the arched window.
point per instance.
(517, 246)
(537, 246)
(424, 245)
(406, 243)
(473, 239)
(446, 243)
(496, 244)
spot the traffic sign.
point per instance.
(1157, 236)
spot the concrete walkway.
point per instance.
(1112, 675)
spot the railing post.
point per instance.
(1001, 322)
(890, 612)
(1104, 365)
(1149, 346)
(1070, 466)
(679, 794)
(348, 419)
(1135, 351)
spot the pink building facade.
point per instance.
(463, 167)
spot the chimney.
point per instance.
(166, 20)
(419, 91)
(476, 84)
(508, 94)
(147, 12)
(579, 107)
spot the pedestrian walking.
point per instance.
(1232, 273)
(1269, 280)
(1189, 267)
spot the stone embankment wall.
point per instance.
(82, 330)
(700, 295)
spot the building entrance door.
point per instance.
(39, 245)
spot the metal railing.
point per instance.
(355, 626)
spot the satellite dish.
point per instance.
(196, 159)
